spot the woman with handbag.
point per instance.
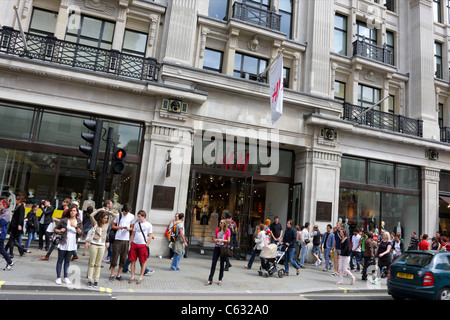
(68, 229)
(221, 250)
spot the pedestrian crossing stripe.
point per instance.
(1, 284)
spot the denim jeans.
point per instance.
(255, 253)
(290, 258)
(63, 257)
(215, 258)
(3, 252)
(304, 254)
(31, 237)
(358, 258)
(326, 255)
(176, 260)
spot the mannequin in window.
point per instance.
(89, 202)
(205, 199)
(398, 229)
(12, 199)
(346, 226)
(116, 204)
(30, 199)
(73, 195)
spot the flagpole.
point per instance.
(21, 30)
(271, 64)
(373, 106)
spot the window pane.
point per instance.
(285, 5)
(135, 41)
(339, 90)
(361, 208)
(43, 21)
(108, 31)
(17, 122)
(213, 60)
(285, 26)
(91, 28)
(407, 177)
(250, 65)
(353, 169)
(340, 22)
(340, 42)
(218, 9)
(381, 173)
(61, 129)
(126, 135)
(403, 209)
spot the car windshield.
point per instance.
(415, 259)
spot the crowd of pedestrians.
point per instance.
(126, 238)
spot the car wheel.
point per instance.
(444, 294)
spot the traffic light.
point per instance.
(118, 161)
(91, 150)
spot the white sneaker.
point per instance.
(67, 281)
(9, 266)
(58, 281)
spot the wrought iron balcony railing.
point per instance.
(52, 50)
(362, 48)
(445, 134)
(248, 13)
(383, 120)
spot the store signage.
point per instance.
(229, 163)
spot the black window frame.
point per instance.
(342, 31)
(100, 40)
(221, 61)
(37, 31)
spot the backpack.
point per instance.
(172, 236)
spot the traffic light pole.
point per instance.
(105, 167)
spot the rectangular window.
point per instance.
(17, 121)
(438, 72)
(286, 77)
(285, 10)
(340, 34)
(408, 177)
(389, 4)
(248, 67)
(213, 60)
(92, 32)
(390, 45)
(134, 43)
(437, 11)
(218, 9)
(43, 22)
(368, 96)
(441, 115)
(363, 32)
(339, 91)
(391, 104)
(381, 173)
(353, 170)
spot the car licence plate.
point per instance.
(405, 275)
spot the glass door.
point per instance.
(295, 203)
(190, 208)
(243, 218)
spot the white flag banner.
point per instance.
(276, 89)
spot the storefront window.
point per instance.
(408, 177)
(400, 213)
(381, 173)
(41, 175)
(17, 122)
(359, 209)
(353, 169)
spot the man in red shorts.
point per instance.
(140, 240)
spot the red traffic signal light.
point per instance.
(118, 161)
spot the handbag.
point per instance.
(90, 235)
(225, 252)
(57, 238)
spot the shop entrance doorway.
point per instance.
(211, 197)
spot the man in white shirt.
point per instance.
(123, 224)
(356, 250)
(140, 241)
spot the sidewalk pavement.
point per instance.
(30, 273)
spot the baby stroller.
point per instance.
(269, 266)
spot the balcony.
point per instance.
(248, 13)
(50, 49)
(362, 48)
(383, 120)
(445, 134)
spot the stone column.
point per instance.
(430, 201)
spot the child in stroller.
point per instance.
(269, 266)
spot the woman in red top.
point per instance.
(222, 238)
(424, 244)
